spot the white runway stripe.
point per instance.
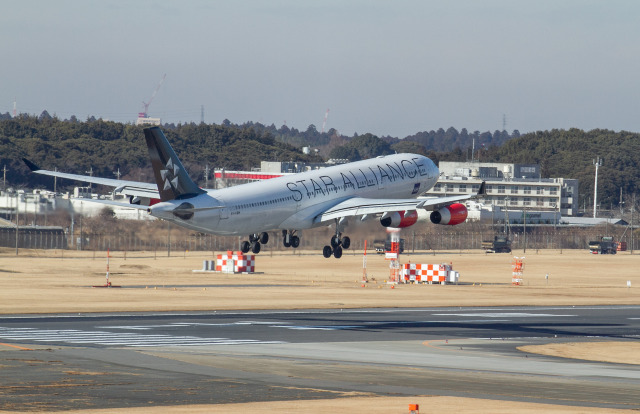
(105, 338)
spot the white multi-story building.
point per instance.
(512, 186)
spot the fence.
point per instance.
(34, 237)
(159, 236)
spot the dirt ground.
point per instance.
(61, 281)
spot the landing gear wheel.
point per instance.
(245, 246)
(286, 241)
(263, 238)
(346, 242)
(327, 251)
(337, 252)
(255, 247)
(295, 241)
(335, 241)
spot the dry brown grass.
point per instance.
(60, 281)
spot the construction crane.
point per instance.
(146, 104)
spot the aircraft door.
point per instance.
(224, 213)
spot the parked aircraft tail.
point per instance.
(171, 177)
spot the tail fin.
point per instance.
(171, 177)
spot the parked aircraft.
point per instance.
(384, 187)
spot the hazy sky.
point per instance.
(385, 67)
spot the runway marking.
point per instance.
(320, 327)
(105, 338)
(428, 343)
(17, 347)
(184, 324)
(502, 315)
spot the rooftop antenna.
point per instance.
(146, 104)
(324, 123)
(473, 147)
(14, 107)
(504, 122)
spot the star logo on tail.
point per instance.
(170, 175)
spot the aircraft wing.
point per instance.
(130, 188)
(359, 206)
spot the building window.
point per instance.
(463, 188)
(514, 189)
(513, 201)
(539, 190)
(539, 202)
(527, 189)
(501, 189)
(489, 188)
(527, 201)
(437, 187)
(553, 190)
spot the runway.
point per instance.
(144, 359)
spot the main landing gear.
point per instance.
(255, 240)
(290, 239)
(337, 244)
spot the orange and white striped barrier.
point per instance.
(429, 273)
(230, 262)
(236, 262)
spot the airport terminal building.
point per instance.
(510, 186)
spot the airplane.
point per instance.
(385, 187)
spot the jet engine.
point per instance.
(452, 214)
(399, 219)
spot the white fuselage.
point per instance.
(292, 202)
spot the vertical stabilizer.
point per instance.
(171, 177)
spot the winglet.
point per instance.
(482, 190)
(171, 177)
(31, 165)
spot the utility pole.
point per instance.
(17, 219)
(524, 221)
(90, 172)
(633, 209)
(597, 162)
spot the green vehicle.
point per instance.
(499, 244)
(605, 245)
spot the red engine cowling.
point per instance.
(451, 214)
(399, 219)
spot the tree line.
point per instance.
(105, 148)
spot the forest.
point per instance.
(106, 149)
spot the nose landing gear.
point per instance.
(290, 239)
